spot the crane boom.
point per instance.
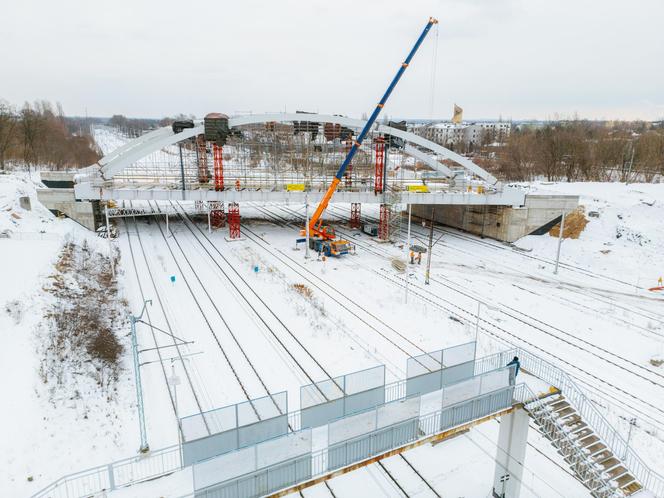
(316, 218)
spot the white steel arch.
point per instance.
(111, 164)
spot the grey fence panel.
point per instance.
(350, 427)
(424, 363)
(283, 448)
(364, 380)
(456, 355)
(224, 467)
(425, 383)
(364, 400)
(461, 391)
(263, 430)
(492, 381)
(208, 447)
(457, 373)
(397, 411)
(203, 424)
(322, 414)
(321, 392)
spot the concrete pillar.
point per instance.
(510, 455)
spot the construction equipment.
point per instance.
(316, 228)
(330, 247)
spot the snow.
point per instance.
(44, 440)
(600, 324)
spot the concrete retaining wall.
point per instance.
(501, 222)
(63, 200)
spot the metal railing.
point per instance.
(167, 460)
(542, 369)
(376, 442)
(116, 474)
(578, 460)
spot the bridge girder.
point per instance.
(119, 159)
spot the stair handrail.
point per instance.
(578, 460)
(557, 377)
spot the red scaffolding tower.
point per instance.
(201, 148)
(380, 165)
(218, 216)
(218, 152)
(234, 220)
(355, 215)
(384, 224)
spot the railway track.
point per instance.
(189, 223)
(595, 294)
(158, 346)
(514, 339)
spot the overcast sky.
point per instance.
(517, 59)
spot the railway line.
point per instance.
(330, 291)
(188, 222)
(514, 340)
(597, 294)
(158, 346)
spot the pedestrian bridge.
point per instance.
(286, 157)
(257, 447)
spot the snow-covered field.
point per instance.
(595, 319)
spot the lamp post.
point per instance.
(144, 448)
(560, 241)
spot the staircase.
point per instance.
(588, 457)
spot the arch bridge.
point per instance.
(283, 157)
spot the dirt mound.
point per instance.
(575, 223)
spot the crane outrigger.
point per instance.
(324, 235)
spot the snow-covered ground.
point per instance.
(594, 319)
(46, 433)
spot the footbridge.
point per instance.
(260, 448)
(287, 157)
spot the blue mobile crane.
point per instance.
(323, 237)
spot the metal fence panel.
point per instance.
(224, 467)
(208, 447)
(364, 380)
(457, 373)
(492, 381)
(344, 453)
(263, 430)
(456, 355)
(203, 424)
(317, 415)
(321, 392)
(397, 411)
(283, 448)
(289, 473)
(424, 363)
(350, 427)
(425, 383)
(364, 400)
(394, 436)
(145, 467)
(461, 391)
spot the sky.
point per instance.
(510, 59)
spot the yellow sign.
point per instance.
(295, 187)
(418, 188)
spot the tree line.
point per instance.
(578, 150)
(39, 133)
